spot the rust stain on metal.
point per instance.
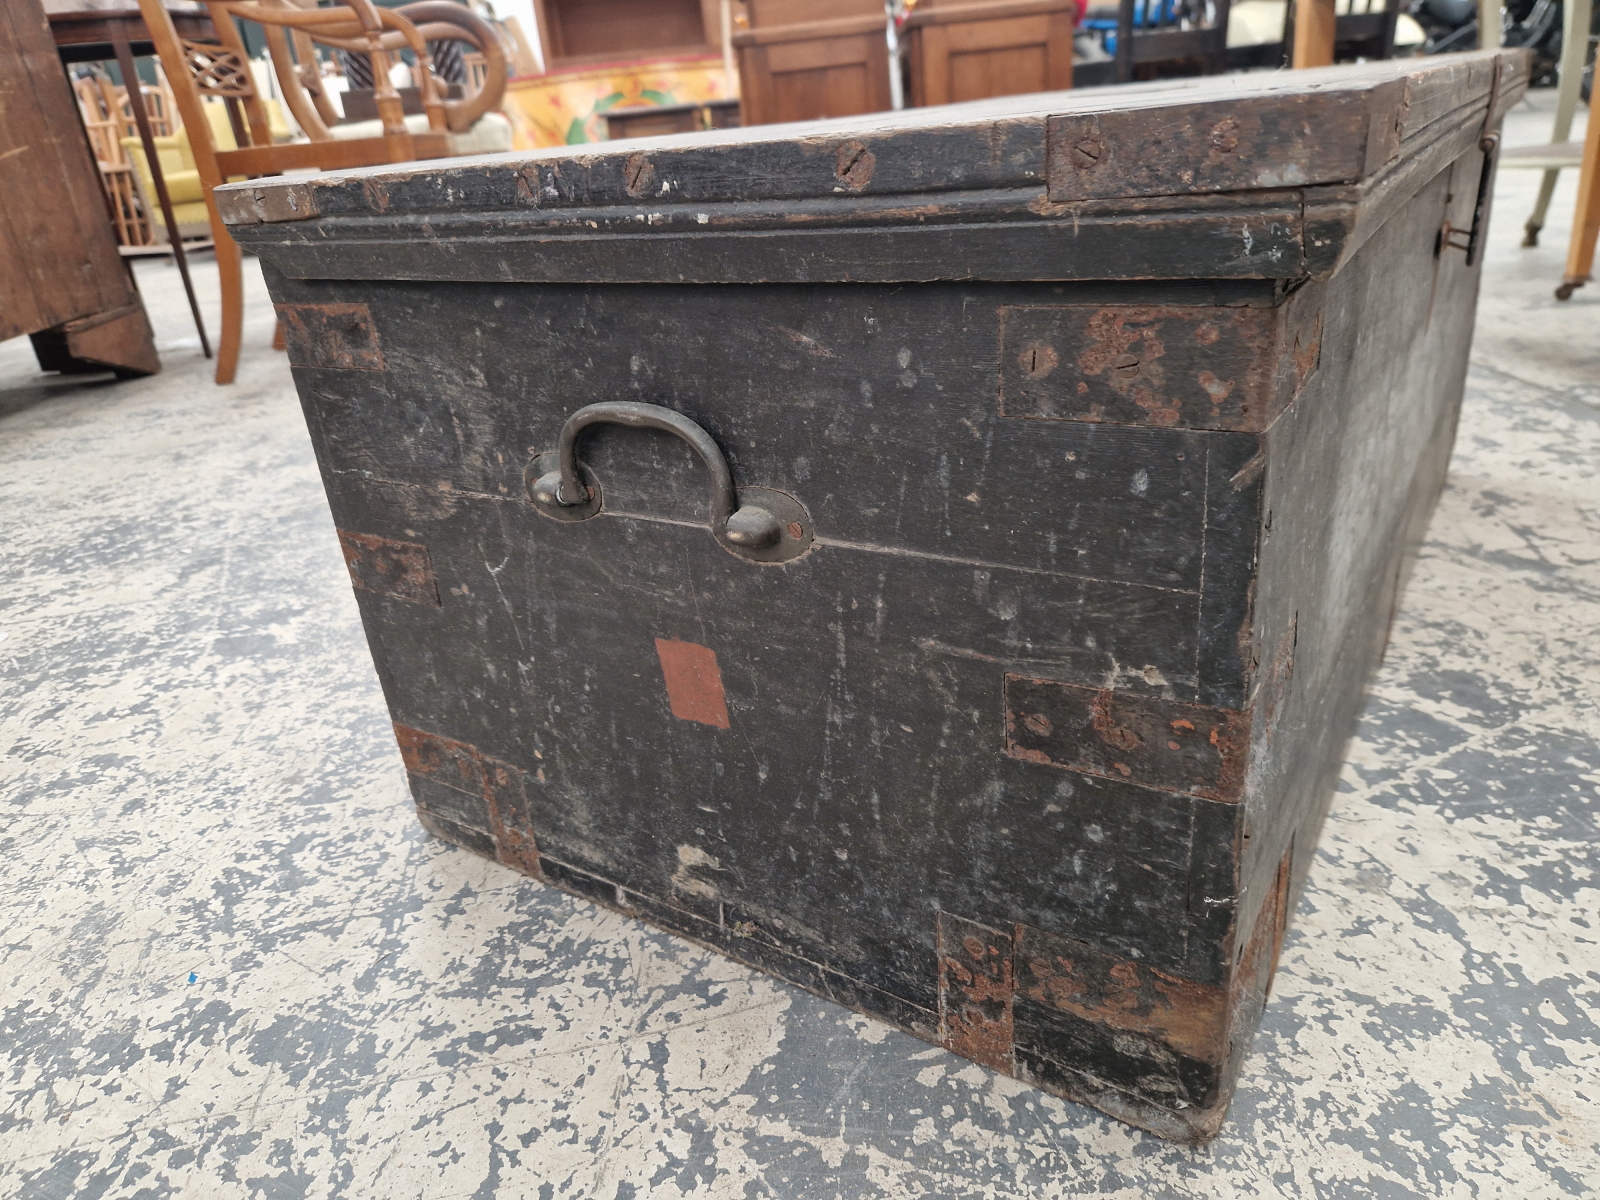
(510, 822)
(1037, 723)
(1196, 366)
(1087, 153)
(638, 175)
(1135, 375)
(331, 336)
(976, 989)
(1088, 982)
(1038, 359)
(853, 164)
(1218, 389)
(1240, 144)
(1167, 744)
(1225, 136)
(463, 767)
(450, 762)
(401, 570)
(1104, 722)
(694, 682)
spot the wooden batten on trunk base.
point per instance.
(936, 558)
(118, 340)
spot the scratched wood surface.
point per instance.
(1028, 752)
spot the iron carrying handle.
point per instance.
(750, 530)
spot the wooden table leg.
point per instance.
(1315, 29)
(1586, 220)
(130, 84)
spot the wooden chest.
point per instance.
(937, 557)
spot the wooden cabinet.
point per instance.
(577, 31)
(801, 60)
(971, 49)
(62, 279)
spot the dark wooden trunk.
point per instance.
(1099, 427)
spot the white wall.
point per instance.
(522, 10)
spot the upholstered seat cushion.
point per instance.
(184, 186)
(491, 134)
(1259, 22)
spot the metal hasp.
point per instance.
(765, 526)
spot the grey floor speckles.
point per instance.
(234, 966)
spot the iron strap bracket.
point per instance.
(1471, 240)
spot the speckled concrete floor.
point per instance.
(234, 966)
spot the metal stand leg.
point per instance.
(1574, 47)
(130, 84)
(1491, 24)
(1532, 226)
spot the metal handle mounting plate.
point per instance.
(758, 524)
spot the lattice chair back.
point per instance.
(221, 70)
(97, 105)
(426, 28)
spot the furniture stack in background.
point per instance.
(803, 59)
(203, 72)
(108, 120)
(619, 58)
(62, 280)
(1160, 38)
(973, 49)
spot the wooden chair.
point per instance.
(1586, 219)
(803, 59)
(1559, 153)
(433, 21)
(1156, 38)
(98, 102)
(1362, 29)
(973, 49)
(108, 120)
(198, 70)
